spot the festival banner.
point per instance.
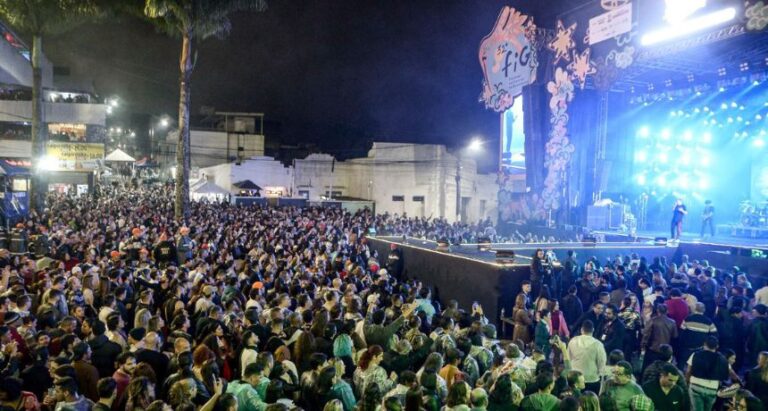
(73, 156)
(509, 59)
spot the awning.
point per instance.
(119, 156)
(13, 168)
(247, 185)
(209, 188)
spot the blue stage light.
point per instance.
(663, 157)
(682, 181)
(758, 142)
(644, 131)
(641, 179)
(665, 134)
(705, 160)
(661, 181)
(686, 158)
(703, 183)
(688, 136)
(707, 137)
(641, 156)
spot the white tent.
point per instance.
(208, 190)
(120, 156)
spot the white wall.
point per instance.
(209, 148)
(264, 171)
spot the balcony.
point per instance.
(76, 113)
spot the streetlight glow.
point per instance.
(476, 144)
(164, 122)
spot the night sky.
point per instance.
(336, 73)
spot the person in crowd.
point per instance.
(588, 356)
(658, 331)
(757, 335)
(757, 378)
(612, 332)
(706, 369)
(665, 392)
(621, 388)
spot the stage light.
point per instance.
(759, 142)
(665, 134)
(663, 157)
(703, 184)
(733, 104)
(744, 66)
(661, 181)
(690, 78)
(723, 106)
(721, 72)
(476, 144)
(641, 156)
(721, 89)
(686, 158)
(730, 119)
(644, 132)
(739, 119)
(682, 181)
(762, 132)
(696, 110)
(705, 160)
(689, 26)
(755, 83)
(672, 113)
(707, 137)
(641, 179)
(758, 117)
(706, 108)
(688, 136)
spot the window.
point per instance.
(418, 199)
(398, 198)
(304, 193)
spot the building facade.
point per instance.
(418, 180)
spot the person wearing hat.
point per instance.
(132, 245)
(164, 252)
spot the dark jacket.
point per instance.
(757, 340)
(572, 308)
(660, 330)
(157, 360)
(103, 356)
(87, 378)
(612, 335)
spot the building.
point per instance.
(74, 119)
(418, 180)
(221, 138)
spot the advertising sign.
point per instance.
(610, 24)
(508, 58)
(73, 156)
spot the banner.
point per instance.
(73, 156)
(508, 58)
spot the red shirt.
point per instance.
(677, 309)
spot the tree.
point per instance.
(39, 18)
(192, 20)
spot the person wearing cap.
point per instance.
(164, 252)
(132, 245)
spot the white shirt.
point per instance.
(761, 295)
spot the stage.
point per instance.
(467, 274)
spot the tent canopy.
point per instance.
(247, 185)
(119, 156)
(208, 188)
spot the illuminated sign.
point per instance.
(679, 10)
(73, 156)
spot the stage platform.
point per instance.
(466, 273)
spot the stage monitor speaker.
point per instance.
(505, 257)
(589, 241)
(443, 245)
(660, 241)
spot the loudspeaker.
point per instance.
(660, 241)
(505, 257)
(443, 245)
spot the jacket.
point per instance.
(612, 335)
(103, 354)
(660, 330)
(540, 402)
(87, 378)
(588, 356)
(376, 334)
(247, 397)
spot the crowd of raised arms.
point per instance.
(246, 308)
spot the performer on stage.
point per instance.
(706, 218)
(678, 212)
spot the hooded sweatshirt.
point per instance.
(588, 356)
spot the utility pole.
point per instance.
(458, 186)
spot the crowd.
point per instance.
(439, 229)
(247, 308)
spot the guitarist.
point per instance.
(706, 218)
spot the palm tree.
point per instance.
(193, 20)
(39, 18)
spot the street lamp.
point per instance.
(475, 146)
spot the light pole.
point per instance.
(474, 146)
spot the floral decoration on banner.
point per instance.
(757, 16)
(613, 4)
(563, 42)
(581, 67)
(606, 75)
(559, 149)
(622, 58)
